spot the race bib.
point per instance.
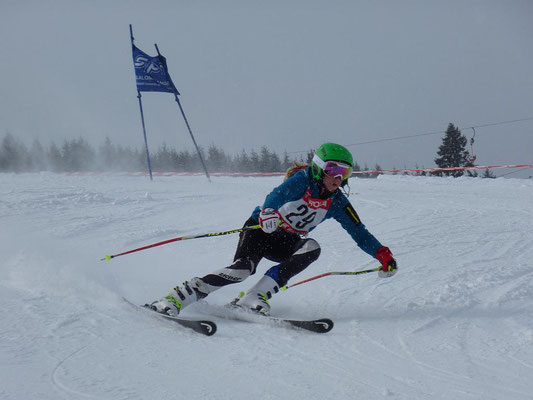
(301, 215)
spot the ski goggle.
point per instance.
(334, 168)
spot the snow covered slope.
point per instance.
(456, 322)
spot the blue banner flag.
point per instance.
(151, 73)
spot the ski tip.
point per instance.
(324, 324)
(205, 327)
(208, 328)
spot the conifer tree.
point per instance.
(286, 163)
(310, 155)
(13, 154)
(254, 161)
(452, 152)
(54, 158)
(36, 157)
(107, 156)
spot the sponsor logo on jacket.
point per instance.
(316, 203)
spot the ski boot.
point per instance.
(256, 299)
(182, 296)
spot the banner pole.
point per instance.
(144, 134)
(192, 137)
(188, 126)
(142, 118)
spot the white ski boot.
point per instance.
(181, 297)
(256, 299)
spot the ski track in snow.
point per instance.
(454, 323)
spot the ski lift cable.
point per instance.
(427, 134)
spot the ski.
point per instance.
(321, 325)
(205, 327)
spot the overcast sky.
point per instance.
(286, 74)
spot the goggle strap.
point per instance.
(322, 164)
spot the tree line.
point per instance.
(78, 155)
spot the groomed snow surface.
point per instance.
(456, 322)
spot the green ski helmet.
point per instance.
(332, 152)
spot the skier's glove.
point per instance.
(387, 261)
(269, 220)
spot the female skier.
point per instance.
(289, 213)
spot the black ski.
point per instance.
(204, 327)
(321, 325)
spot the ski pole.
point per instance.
(246, 228)
(366, 271)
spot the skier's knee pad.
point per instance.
(309, 248)
(244, 264)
